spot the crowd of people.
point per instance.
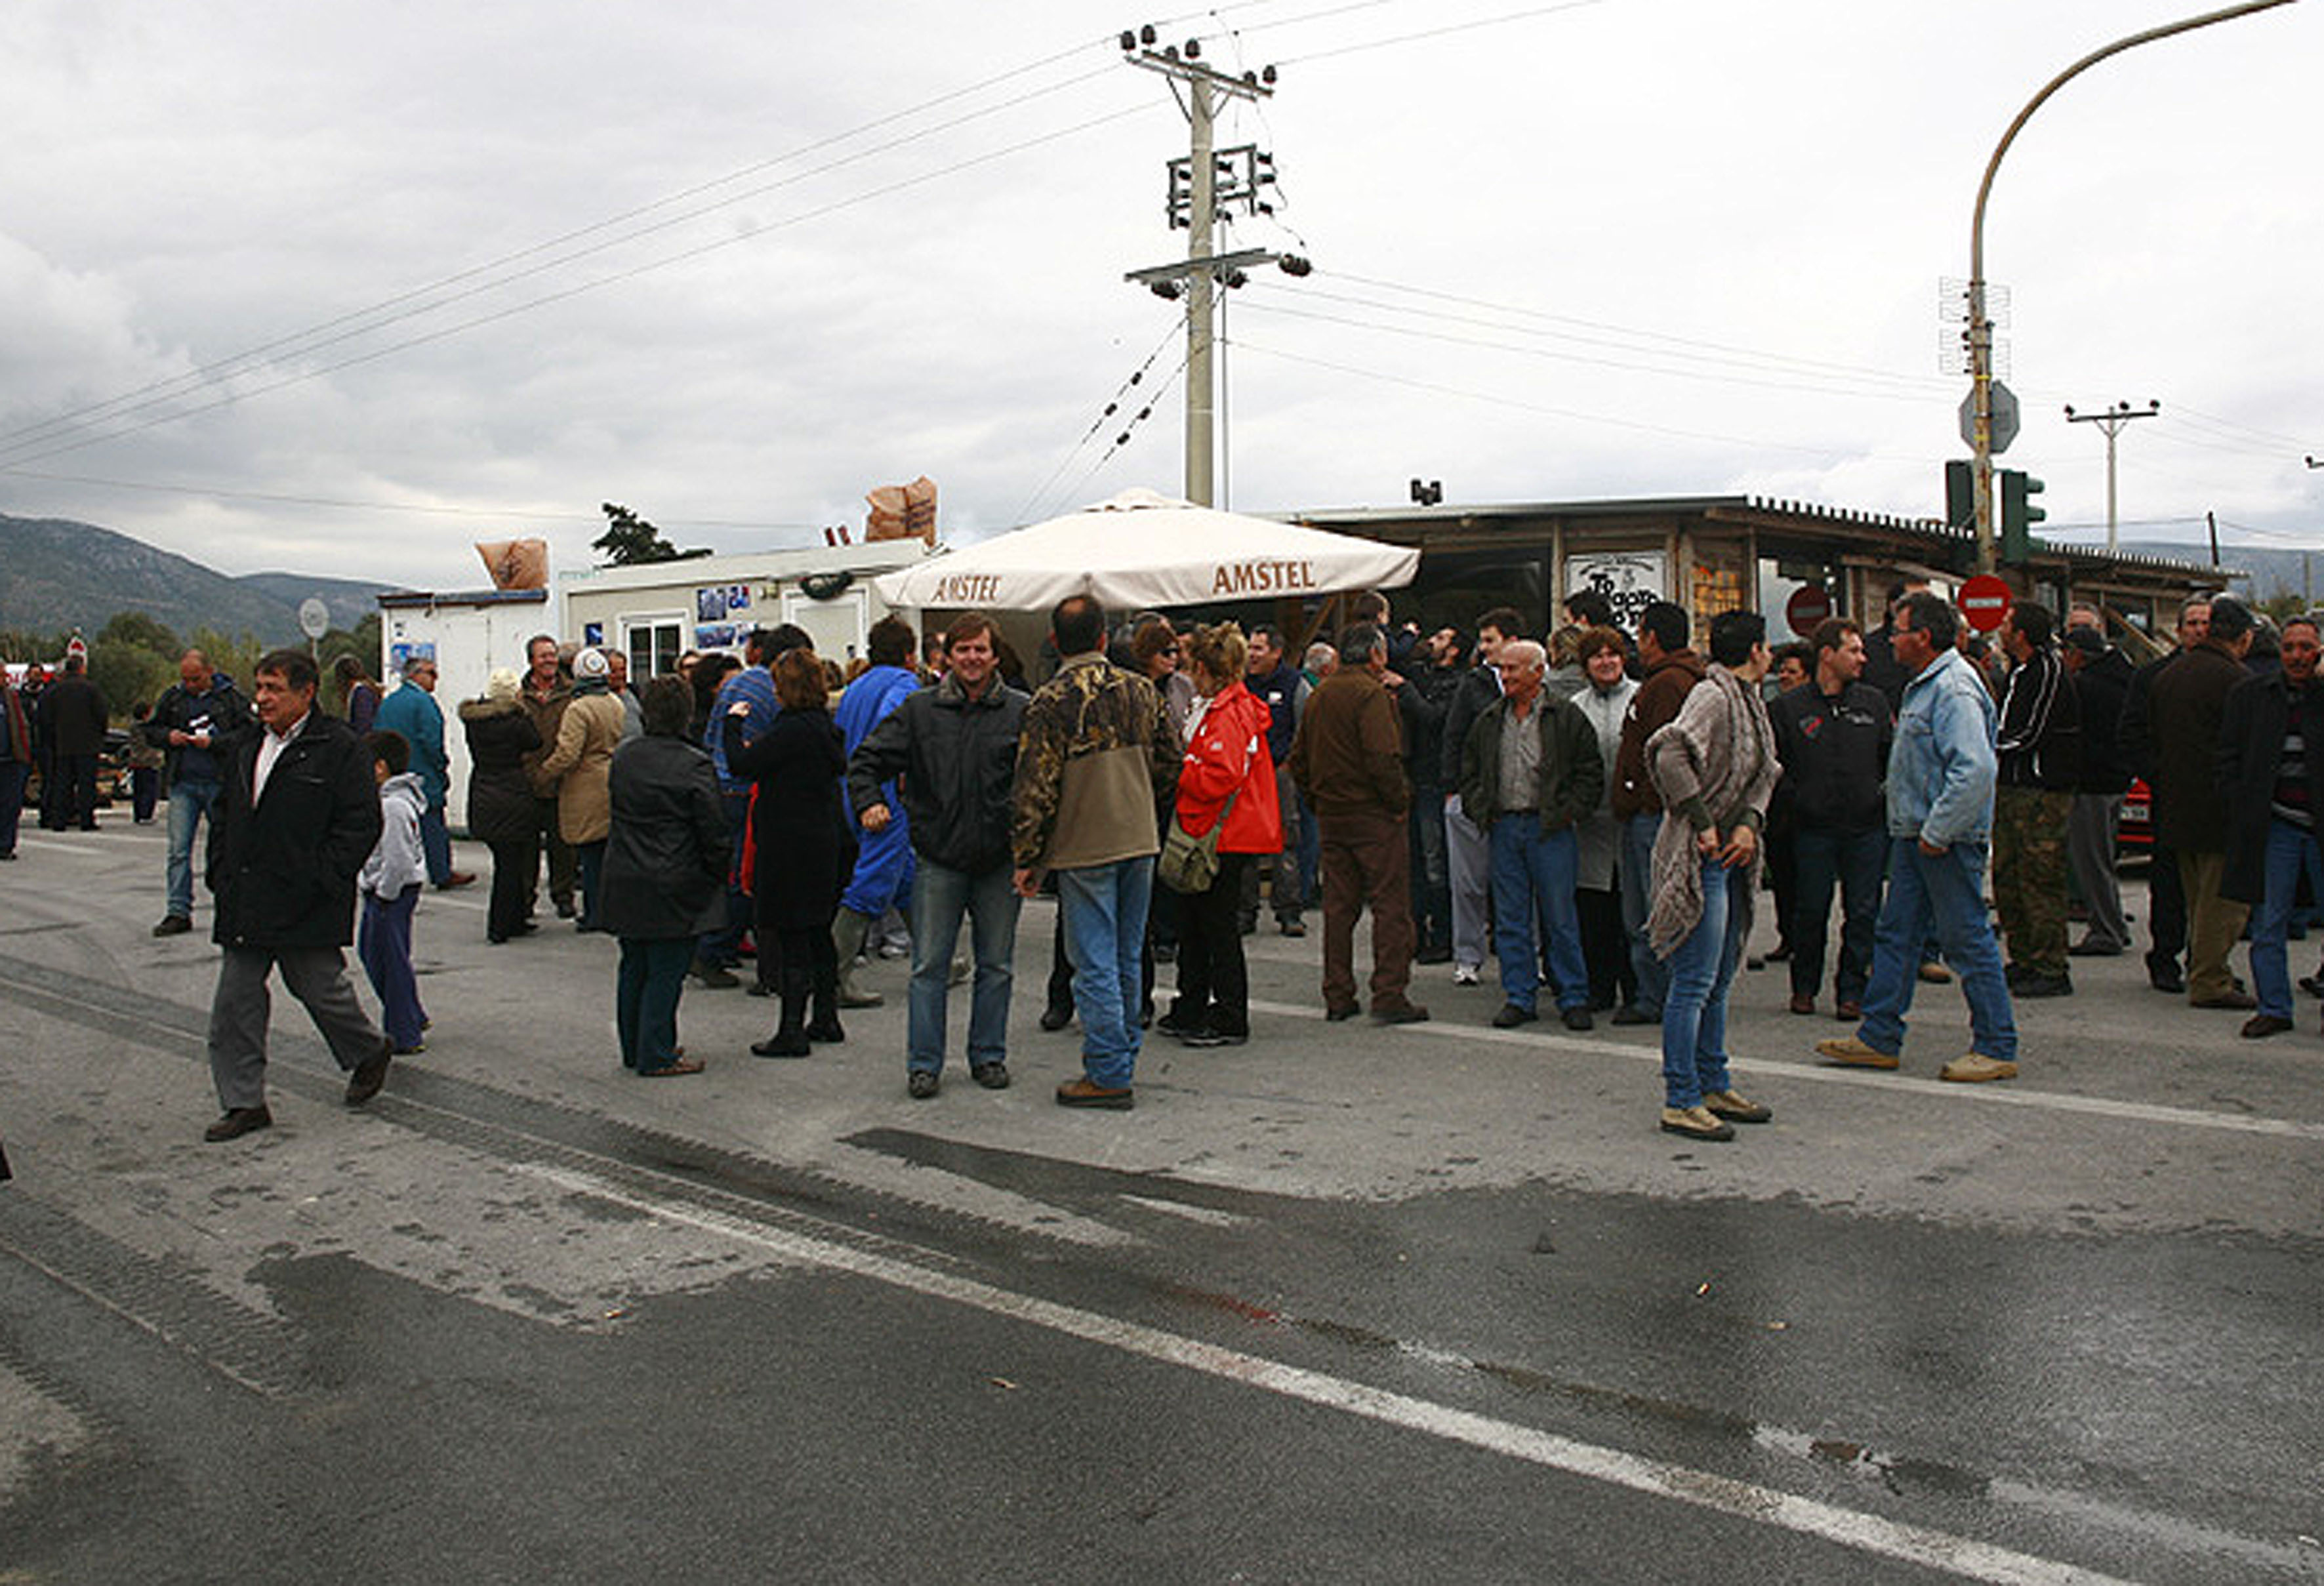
(1596, 813)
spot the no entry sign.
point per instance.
(1985, 603)
(1807, 609)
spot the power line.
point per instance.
(1436, 32)
(588, 286)
(409, 305)
(1112, 406)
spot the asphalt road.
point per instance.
(1345, 1304)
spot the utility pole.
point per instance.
(2111, 421)
(1196, 201)
(1980, 329)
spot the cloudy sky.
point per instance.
(343, 289)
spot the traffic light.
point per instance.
(2019, 514)
(1960, 495)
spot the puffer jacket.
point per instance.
(501, 739)
(1227, 755)
(953, 759)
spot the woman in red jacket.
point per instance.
(1226, 756)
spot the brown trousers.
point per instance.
(2213, 923)
(1367, 862)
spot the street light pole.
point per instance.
(1980, 329)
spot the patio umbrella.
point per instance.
(1144, 550)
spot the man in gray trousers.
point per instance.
(298, 815)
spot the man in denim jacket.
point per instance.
(1940, 782)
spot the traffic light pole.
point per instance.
(1980, 329)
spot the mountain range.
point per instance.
(57, 574)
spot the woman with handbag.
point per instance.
(1226, 800)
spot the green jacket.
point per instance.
(1572, 772)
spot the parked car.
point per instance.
(2133, 836)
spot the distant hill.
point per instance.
(2273, 571)
(57, 574)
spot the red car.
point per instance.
(2134, 835)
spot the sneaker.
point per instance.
(1974, 1067)
(176, 924)
(1511, 1016)
(920, 1083)
(1731, 1106)
(1578, 1019)
(1399, 1012)
(992, 1076)
(2260, 1025)
(1465, 975)
(1698, 1123)
(1851, 1053)
(1803, 1001)
(1084, 1093)
(1935, 974)
(1202, 1039)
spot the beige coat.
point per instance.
(581, 765)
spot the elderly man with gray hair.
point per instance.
(1530, 774)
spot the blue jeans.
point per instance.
(591, 856)
(940, 896)
(1533, 881)
(2288, 850)
(1701, 968)
(1853, 861)
(1638, 834)
(383, 943)
(1104, 908)
(645, 999)
(436, 843)
(191, 800)
(1944, 895)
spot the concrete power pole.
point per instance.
(2111, 421)
(1196, 197)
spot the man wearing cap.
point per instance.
(2101, 679)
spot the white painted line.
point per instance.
(1745, 1500)
(1209, 1215)
(2006, 1094)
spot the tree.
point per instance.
(630, 540)
(143, 629)
(362, 642)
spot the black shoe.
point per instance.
(1054, 1019)
(369, 1075)
(238, 1121)
(1290, 925)
(1342, 1010)
(173, 924)
(2313, 984)
(1400, 1012)
(1578, 1019)
(1511, 1016)
(2087, 948)
(1205, 1038)
(565, 909)
(712, 977)
(2163, 974)
(2032, 983)
(1780, 954)
(992, 1076)
(790, 1043)
(758, 989)
(1178, 1028)
(1437, 955)
(1631, 1013)
(920, 1083)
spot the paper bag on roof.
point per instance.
(902, 511)
(516, 564)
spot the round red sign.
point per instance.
(1807, 609)
(1984, 603)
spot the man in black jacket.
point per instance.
(1275, 677)
(2166, 900)
(73, 714)
(2040, 746)
(1833, 737)
(193, 722)
(952, 750)
(1435, 675)
(299, 816)
(2101, 677)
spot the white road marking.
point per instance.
(2006, 1094)
(1746, 1500)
